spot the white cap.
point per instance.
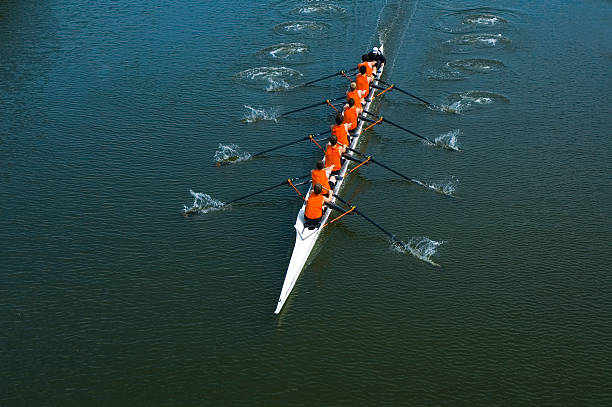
(375, 50)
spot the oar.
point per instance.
(396, 125)
(415, 181)
(394, 239)
(401, 90)
(327, 77)
(311, 106)
(291, 143)
(194, 210)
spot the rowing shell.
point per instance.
(306, 238)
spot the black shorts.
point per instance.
(312, 223)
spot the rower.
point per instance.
(320, 175)
(355, 94)
(341, 129)
(351, 113)
(314, 206)
(377, 56)
(363, 82)
(369, 64)
(333, 154)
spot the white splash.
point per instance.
(254, 114)
(228, 153)
(286, 50)
(449, 140)
(447, 188)
(202, 203)
(422, 248)
(276, 78)
(483, 19)
(301, 26)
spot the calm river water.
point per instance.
(114, 114)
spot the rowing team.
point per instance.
(324, 178)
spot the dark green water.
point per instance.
(112, 112)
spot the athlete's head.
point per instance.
(339, 118)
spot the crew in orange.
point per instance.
(363, 82)
(370, 65)
(333, 154)
(351, 113)
(341, 129)
(354, 93)
(321, 176)
(314, 206)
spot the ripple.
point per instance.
(460, 102)
(301, 27)
(319, 8)
(445, 73)
(479, 41)
(484, 19)
(449, 140)
(477, 65)
(423, 248)
(469, 20)
(230, 153)
(202, 203)
(255, 114)
(273, 78)
(285, 51)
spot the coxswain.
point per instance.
(377, 56)
(341, 129)
(351, 113)
(320, 175)
(333, 156)
(363, 82)
(314, 206)
(369, 64)
(355, 93)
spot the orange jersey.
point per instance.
(340, 132)
(314, 206)
(368, 68)
(363, 84)
(354, 95)
(320, 176)
(350, 116)
(332, 157)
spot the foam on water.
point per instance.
(449, 140)
(465, 100)
(255, 114)
(478, 40)
(228, 153)
(285, 50)
(479, 65)
(423, 248)
(274, 78)
(483, 19)
(304, 27)
(447, 188)
(202, 203)
(320, 8)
